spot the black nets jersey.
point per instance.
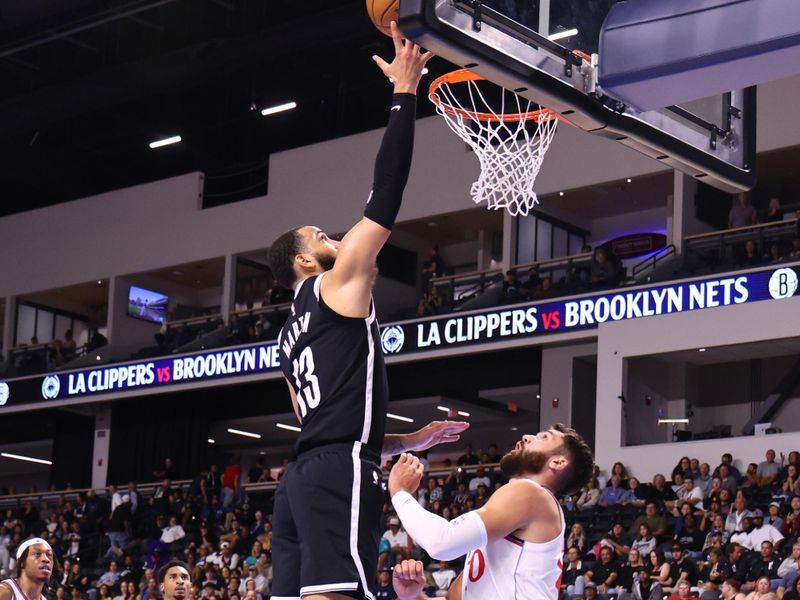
(336, 369)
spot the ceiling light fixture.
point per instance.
(560, 193)
(166, 142)
(443, 409)
(287, 427)
(245, 433)
(463, 413)
(560, 35)
(278, 109)
(672, 421)
(701, 349)
(212, 441)
(26, 458)
(399, 418)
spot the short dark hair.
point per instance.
(162, 572)
(281, 257)
(581, 459)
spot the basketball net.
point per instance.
(510, 153)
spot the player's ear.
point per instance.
(558, 462)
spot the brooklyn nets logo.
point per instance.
(392, 339)
(50, 387)
(783, 284)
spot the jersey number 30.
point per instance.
(307, 383)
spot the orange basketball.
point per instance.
(383, 12)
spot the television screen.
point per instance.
(147, 305)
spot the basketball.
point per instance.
(383, 12)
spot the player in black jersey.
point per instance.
(327, 507)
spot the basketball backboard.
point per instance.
(546, 50)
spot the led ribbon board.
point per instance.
(424, 335)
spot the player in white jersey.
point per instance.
(35, 567)
(515, 543)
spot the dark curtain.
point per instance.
(146, 430)
(73, 446)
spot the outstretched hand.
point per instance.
(436, 432)
(406, 68)
(408, 579)
(405, 474)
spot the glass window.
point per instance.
(44, 326)
(544, 236)
(525, 239)
(575, 244)
(560, 242)
(26, 324)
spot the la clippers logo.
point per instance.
(50, 387)
(392, 339)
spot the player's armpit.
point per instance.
(347, 288)
(514, 506)
(5, 592)
(454, 591)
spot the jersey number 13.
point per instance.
(308, 395)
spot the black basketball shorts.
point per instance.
(326, 524)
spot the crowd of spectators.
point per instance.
(701, 533)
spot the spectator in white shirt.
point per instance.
(397, 538)
(763, 532)
(172, 532)
(224, 558)
(114, 496)
(260, 583)
(443, 578)
(703, 480)
(110, 577)
(767, 471)
(690, 494)
(737, 515)
(792, 562)
(480, 478)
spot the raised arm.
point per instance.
(347, 289)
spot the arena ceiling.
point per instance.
(85, 85)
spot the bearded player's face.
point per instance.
(531, 453)
(320, 246)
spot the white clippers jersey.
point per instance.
(513, 569)
(17, 593)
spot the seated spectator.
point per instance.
(690, 494)
(734, 565)
(662, 493)
(480, 479)
(791, 565)
(791, 521)
(690, 537)
(431, 493)
(738, 513)
(619, 469)
(773, 516)
(794, 253)
(793, 592)
(682, 468)
(612, 494)
(655, 522)
(545, 289)
(469, 458)
(711, 575)
(511, 287)
(703, 478)
(628, 571)
(750, 257)
(589, 495)
(644, 542)
(398, 539)
(727, 460)
(572, 582)
(111, 577)
(683, 592)
(172, 532)
(647, 588)
(764, 565)
(637, 494)
(577, 538)
(774, 255)
(681, 569)
(762, 590)
(604, 271)
(383, 588)
(790, 485)
(617, 540)
(677, 482)
(603, 573)
(763, 532)
(259, 582)
(750, 477)
(443, 577)
(730, 590)
(767, 472)
(660, 568)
